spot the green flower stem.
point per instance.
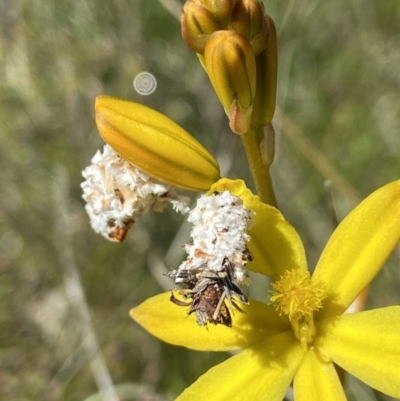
(260, 171)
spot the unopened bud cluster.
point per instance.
(216, 260)
(236, 43)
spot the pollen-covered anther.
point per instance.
(298, 296)
(117, 193)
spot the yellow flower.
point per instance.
(304, 331)
(155, 144)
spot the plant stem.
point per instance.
(259, 170)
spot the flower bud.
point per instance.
(221, 9)
(250, 19)
(230, 64)
(155, 144)
(267, 74)
(197, 24)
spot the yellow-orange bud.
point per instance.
(221, 9)
(250, 19)
(197, 24)
(155, 144)
(267, 75)
(230, 64)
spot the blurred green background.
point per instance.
(65, 292)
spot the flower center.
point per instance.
(297, 295)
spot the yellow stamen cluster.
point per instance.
(297, 295)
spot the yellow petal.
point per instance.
(316, 380)
(170, 322)
(367, 345)
(260, 373)
(275, 244)
(359, 247)
(155, 144)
